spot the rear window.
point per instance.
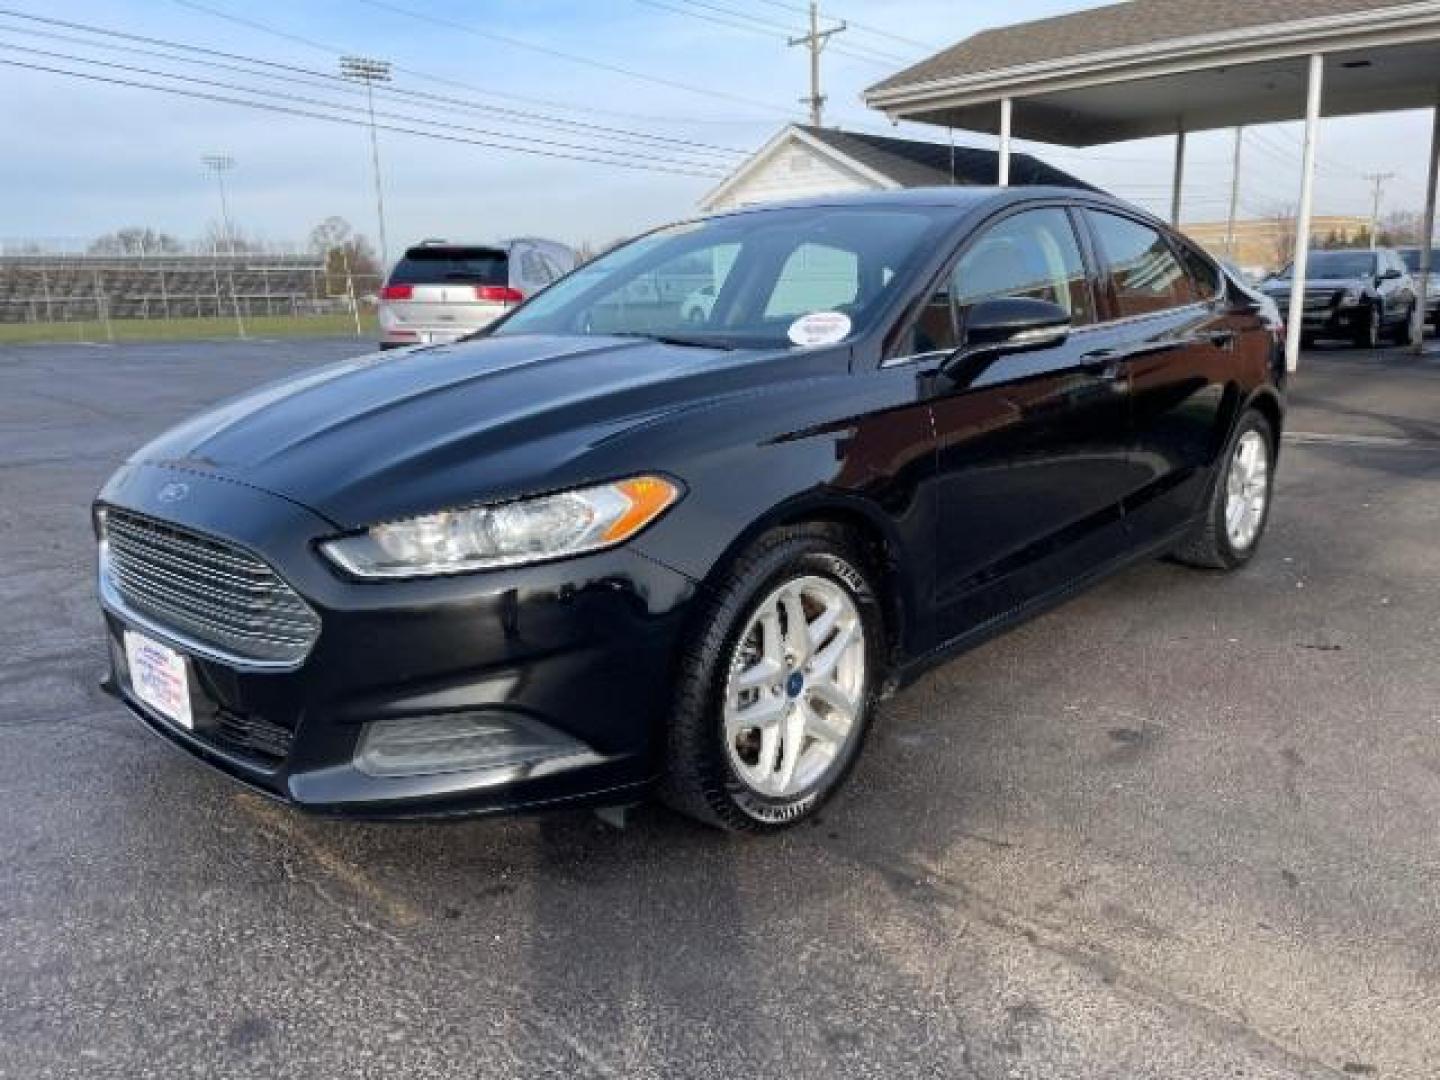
(435, 265)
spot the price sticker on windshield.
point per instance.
(820, 328)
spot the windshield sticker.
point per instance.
(820, 328)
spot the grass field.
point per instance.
(265, 326)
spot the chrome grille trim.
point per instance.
(203, 594)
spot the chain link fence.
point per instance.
(46, 296)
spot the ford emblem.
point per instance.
(172, 493)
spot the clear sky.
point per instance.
(86, 157)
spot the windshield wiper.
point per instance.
(684, 342)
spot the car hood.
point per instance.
(396, 434)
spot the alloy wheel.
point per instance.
(795, 688)
(1247, 490)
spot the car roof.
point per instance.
(966, 198)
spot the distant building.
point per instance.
(802, 161)
(1262, 245)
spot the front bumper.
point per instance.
(584, 646)
(1329, 321)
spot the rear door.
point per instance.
(442, 292)
(1175, 334)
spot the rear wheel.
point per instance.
(1239, 505)
(778, 684)
(1367, 335)
(1400, 333)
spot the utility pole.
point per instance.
(1234, 195)
(1378, 179)
(815, 41)
(220, 164)
(365, 70)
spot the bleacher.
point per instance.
(59, 288)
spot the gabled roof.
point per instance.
(1132, 24)
(921, 163)
(892, 162)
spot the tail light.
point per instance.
(501, 293)
(397, 292)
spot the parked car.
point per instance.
(1361, 296)
(1411, 256)
(439, 292)
(559, 564)
(697, 306)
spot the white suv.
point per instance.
(439, 291)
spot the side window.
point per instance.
(815, 278)
(1144, 275)
(1032, 255)
(1202, 272)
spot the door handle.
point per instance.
(1107, 364)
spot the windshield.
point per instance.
(1412, 259)
(1337, 264)
(772, 278)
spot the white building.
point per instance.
(802, 161)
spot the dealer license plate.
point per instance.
(159, 678)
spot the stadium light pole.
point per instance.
(220, 164)
(365, 70)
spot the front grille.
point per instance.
(207, 589)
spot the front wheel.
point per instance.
(1239, 505)
(778, 683)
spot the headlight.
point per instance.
(508, 534)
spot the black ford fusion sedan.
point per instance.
(608, 548)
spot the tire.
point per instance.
(1213, 545)
(1400, 334)
(1368, 335)
(707, 774)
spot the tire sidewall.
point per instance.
(802, 557)
(1235, 557)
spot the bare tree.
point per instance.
(1283, 228)
(330, 233)
(1401, 228)
(135, 240)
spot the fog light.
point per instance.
(427, 745)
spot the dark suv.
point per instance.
(606, 548)
(1360, 296)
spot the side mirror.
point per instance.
(1012, 325)
(1389, 275)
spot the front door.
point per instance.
(1032, 447)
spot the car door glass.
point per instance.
(1144, 275)
(1031, 255)
(1204, 276)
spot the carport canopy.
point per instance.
(1168, 67)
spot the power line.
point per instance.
(329, 80)
(573, 58)
(317, 102)
(441, 80)
(768, 27)
(866, 27)
(266, 106)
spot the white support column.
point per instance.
(1177, 187)
(1307, 206)
(1007, 108)
(1427, 234)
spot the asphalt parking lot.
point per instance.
(1185, 826)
